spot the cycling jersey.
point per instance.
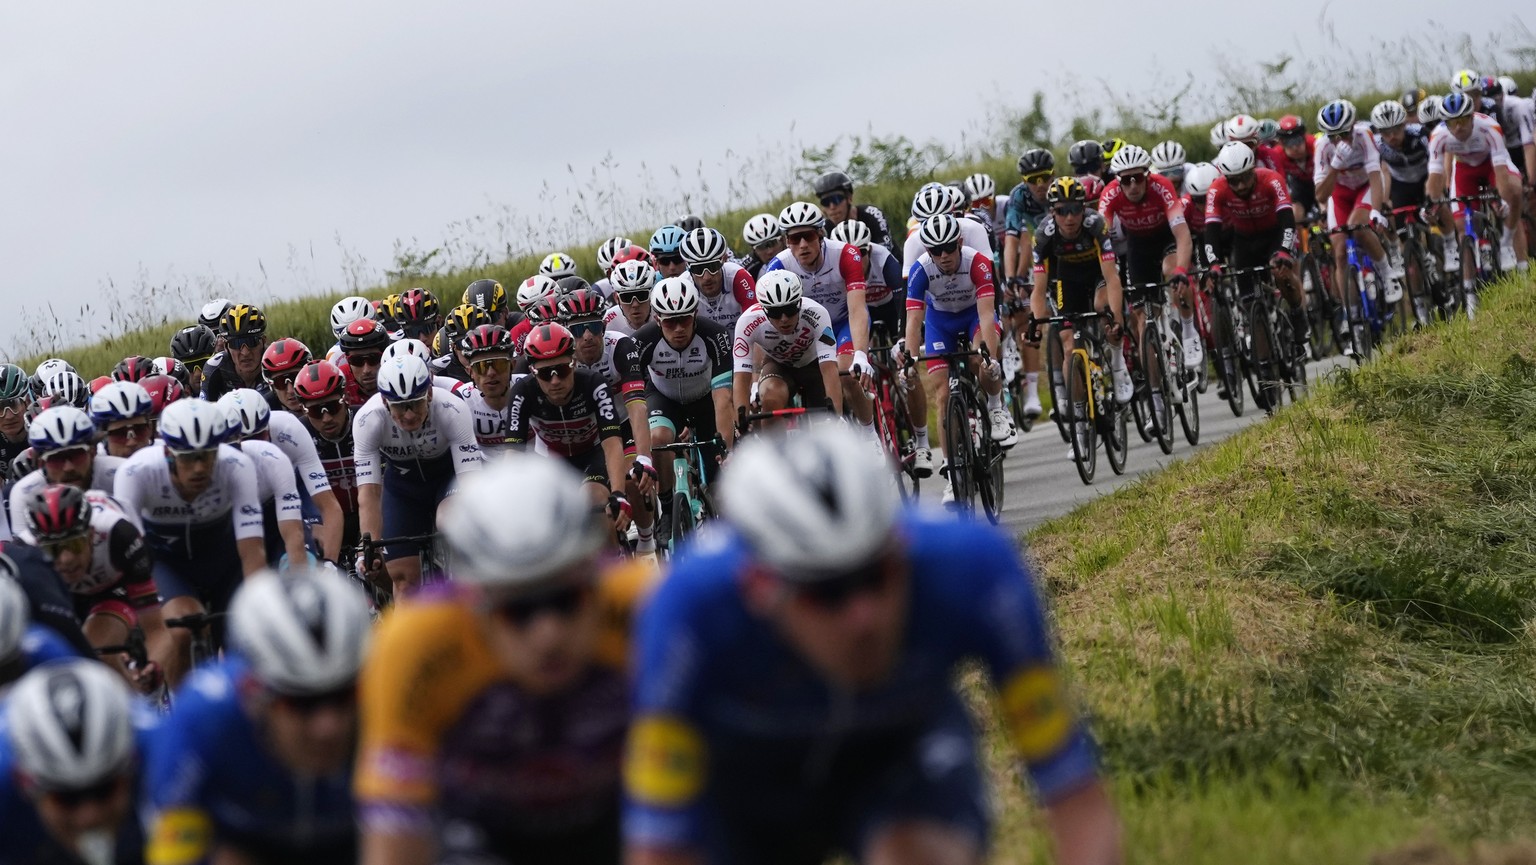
(840, 273)
(1024, 212)
(1484, 144)
(619, 367)
(211, 781)
(688, 374)
(1409, 162)
(448, 366)
(48, 603)
(293, 438)
(491, 424)
(441, 449)
(341, 472)
(1194, 214)
(928, 288)
(39, 645)
(972, 234)
(120, 578)
(569, 429)
(1257, 213)
(219, 378)
(1518, 120)
(278, 492)
(1072, 261)
(144, 488)
(738, 740)
(812, 341)
(604, 287)
(738, 292)
(1158, 211)
(104, 471)
(873, 219)
(884, 277)
(1354, 159)
(615, 322)
(450, 747)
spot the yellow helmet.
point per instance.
(1064, 189)
(487, 294)
(242, 319)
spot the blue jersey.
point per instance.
(212, 780)
(726, 711)
(1023, 213)
(24, 841)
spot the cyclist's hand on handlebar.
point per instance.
(146, 678)
(643, 472)
(743, 426)
(1032, 331)
(1282, 259)
(1180, 278)
(619, 510)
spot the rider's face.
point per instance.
(850, 632)
(546, 640)
(767, 251)
(492, 375)
(1133, 184)
(1461, 127)
(193, 471)
(105, 807)
(1393, 136)
(677, 330)
(313, 735)
(806, 243)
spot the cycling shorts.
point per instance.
(592, 466)
(891, 316)
(1145, 254)
(1253, 250)
(1345, 201)
(933, 775)
(1303, 192)
(410, 499)
(1472, 179)
(945, 331)
(698, 415)
(802, 380)
(1406, 195)
(1074, 297)
(201, 562)
(844, 334)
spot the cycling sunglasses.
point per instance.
(554, 371)
(237, 343)
(320, 410)
(79, 545)
(579, 328)
(800, 237)
(520, 612)
(140, 430)
(834, 593)
(1071, 208)
(707, 268)
(669, 259)
(407, 406)
(632, 296)
(945, 248)
(282, 381)
(194, 457)
(307, 704)
(789, 310)
(66, 456)
(69, 800)
(365, 359)
(494, 364)
(676, 321)
(833, 200)
(1037, 177)
(17, 404)
(1128, 179)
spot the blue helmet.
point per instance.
(667, 240)
(1456, 105)
(1337, 116)
(121, 400)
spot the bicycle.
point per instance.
(434, 563)
(1482, 229)
(1230, 344)
(1315, 267)
(1423, 275)
(974, 461)
(1163, 378)
(1275, 361)
(893, 423)
(1015, 385)
(691, 501)
(1362, 288)
(138, 658)
(206, 643)
(1090, 408)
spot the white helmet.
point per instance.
(1464, 80)
(1335, 117)
(761, 229)
(120, 400)
(779, 288)
(1429, 110)
(611, 247)
(800, 214)
(193, 425)
(1168, 156)
(1219, 133)
(401, 347)
(931, 199)
(824, 502)
(499, 540)
(958, 200)
(674, 296)
(702, 246)
(558, 265)
(1129, 158)
(1387, 114)
(304, 631)
(246, 411)
(67, 388)
(348, 310)
(853, 233)
(1199, 179)
(939, 229)
(405, 378)
(1243, 127)
(1235, 158)
(633, 276)
(212, 314)
(71, 724)
(13, 609)
(534, 289)
(1509, 86)
(59, 427)
(979, 186)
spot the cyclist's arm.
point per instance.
(1324, 187)
(917, 308)
(245, 510)
(851, 266)
(742, 366)
(626, 358)
(1011, 256)
(718, 344)
(611, 433)
(367, 466)
(332, 523)
(1084, 827)
(458, 425)
(725, 414)
(301, 449)
(986, 302)
(290, 508)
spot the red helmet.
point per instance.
(583, 303)
(418, 306)
(633, 253)
(163, 390)
(1292, 126)
(133, 368)
(319, 380)
(1092, 186)
(283, 356)
(487, 339)
(58, 512)
(547, 309)
(365, 334)
(100, 382)
(548, 341)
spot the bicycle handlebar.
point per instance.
(194, 621)
(691, 445)
(776, 413)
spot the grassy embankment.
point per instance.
(1313, 642)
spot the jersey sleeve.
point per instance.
(1437, 150)
(518, 407)
(890, 271)
(609, 424)
(130, 556)
(1279, 189)
(981, 276)
(367, 429)
(1213, 203)
(459, 427)
(285, 488)
(741, 344)
(917, 287)
(774, 263)
(300, 449)
(850, 265)
(626, 361)
(743, 288)
(176, 774)
(879, 226)
(1322, 159)
(1173, 205)
(718, 344)
(1369, 151)
(244, 496)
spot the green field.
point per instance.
(1312, 642)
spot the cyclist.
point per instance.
(167, 366)
(72, 753)
(247, 417)
(1169, 161)
(982, 192)
(571, 413)
(245, 338)
(1148, 210)
(362, 352)
(607, 253)
(488, 349)
(197, 500)
(1404, 150)
(1249, 205)
(1296, 158)
(63, 442)
(832, 274)
(763, 235)
(794, 334)
(24, 644)
(456, 759)
(102, 558)
(834, 191)
(1474, 142)
(448, 343)
(15, 397)
(1026, 208)
(1249, 130)
(1516, 118)
(421, 314)
(411, 441)
(255, 764)
(193, 345)
(884, 284)
(665, 247)
(281, 361)
(1087, 160)
(535, 290)
(711, 271)
(343, 313)
(1197, 183)
(795, 679)
(490, 297)
(1347, 173)
(558, 265)
(1074, 271)
(327, 421)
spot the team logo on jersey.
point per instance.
(181, 836)
(665, 762)
(1037, 713)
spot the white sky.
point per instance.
(187, 140)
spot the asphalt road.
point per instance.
(1042, 481)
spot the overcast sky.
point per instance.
(196, 140)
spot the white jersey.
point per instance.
(1485, 142)
(614, 320)
(812, 340)
(876, 292)
(103, 477)
(491, 424)
(1355, 159)
(293, 438)
(106, 513)
(1519, 122)
(841, 271)
(144, 488)
(972, 234)
(736, 294)
(448, 435)
(604, 287)
(274, 479)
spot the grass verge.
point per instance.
(1312, 642)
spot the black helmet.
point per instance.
(567, 285)
(833, 181)
(689, 222)
(1086, 156)
(1036, 161)
(1065, 189)
(488, 295)
(243, 320)
(193, 344)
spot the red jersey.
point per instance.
(1269, 156)
(1158, 210)
(1257, 213)
(1297, 173)
(1194, 211)
(353, 393)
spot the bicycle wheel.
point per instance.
(1081, 416)
(1416, 289)
(1293, 369)
(907, 477)
(989, 471)
(1266, 355)
(1491, 229)
(1113, 430)
(1186, 389)
(1354, 314)
(1159, 397)
(1204, 310)
(1227, 363)
(1323, 338)
(957, 438)
(1056, 375)
(682, 520)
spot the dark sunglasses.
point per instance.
(282, 381)
(676, 321)
(308, 704)
(195, 457)
(495, 364)
(521, 612)
(553, 371)
(1074, 208)
(669, 259)
(800, 237)
(369, 359)
(834, 593)
(632, 296)
(17, 404)
(787, 311)
(833, 200)
(239, 342)
(708, 268)
(320, 410)
(578, 328)
(1243, 179)
(101, 791)
(407, 405)
(945, 248)
(1037, 177)
(66, 456)
(1128, 179)
(141, 430)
